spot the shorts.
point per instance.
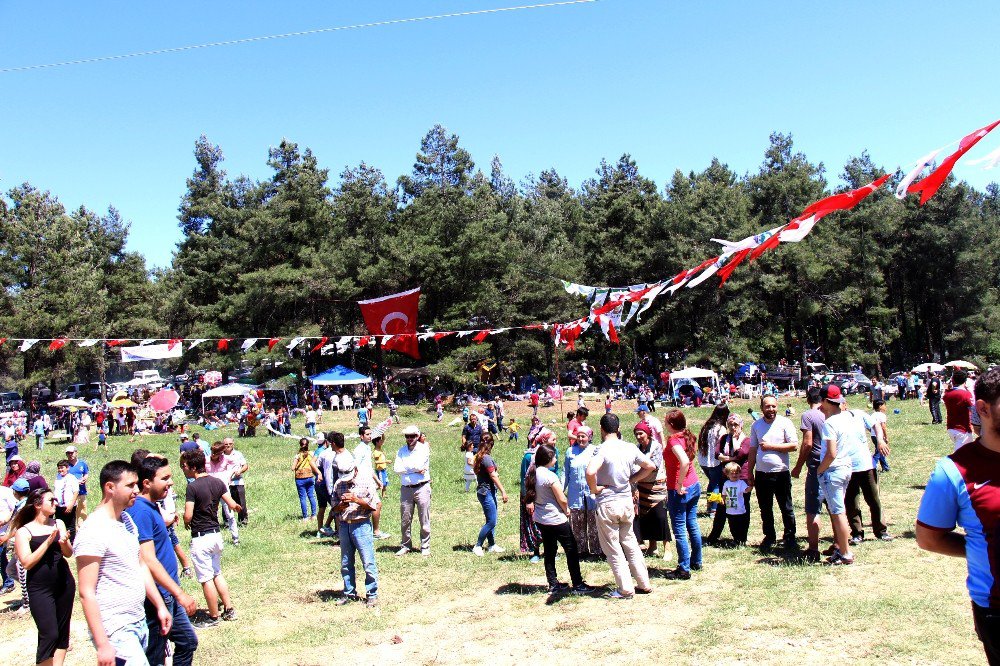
(834, 484)
(814, 503)
(383, 477)
(323, 495)
(206, 555)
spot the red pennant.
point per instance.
(480, 336)
(2, 340)
(683, 275)
(224, 344)
(844, 200)
(363, 341)
(58, 343)
(319, 345)
(404, 343)
(173, 342)
(440, 336)
(929, 186)
(728, 269)
(272, 342)
(612, 333)
(769, 244)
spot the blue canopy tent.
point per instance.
(338, 375)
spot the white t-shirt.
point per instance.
(779, 431)
(469, 472)
(734, 497)
(311, 416)
(239, 462)
(876, 418)
(363, 455)
(656, 426)
(861, 457)
(547, 509)
(713, 437)
(615, 461)
(120, 586)
(848, 432)
(7, 504)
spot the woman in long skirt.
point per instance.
(582, 505)
(651, 520)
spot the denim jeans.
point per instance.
(311, 427)
(181, 633)
(3, 566)
(307, 489)
(489, 501)
(715, 480)
(684, 520)
(130, 644)
(358, 537)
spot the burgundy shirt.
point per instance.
(957, 403)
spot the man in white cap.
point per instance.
(355, 498)
(413, 464)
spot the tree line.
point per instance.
(885, 285)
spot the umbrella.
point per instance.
(213, 377)
(962, 364)
(164, 400)
(928, 367)
(123, 403)
(70, 402)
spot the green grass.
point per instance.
(896, 604)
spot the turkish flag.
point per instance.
(394, 315)
(933, 182)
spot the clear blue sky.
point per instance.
(674, 84)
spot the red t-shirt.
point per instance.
(957, 403)
(673, 464)
(534, 399)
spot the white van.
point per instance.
(148, 376)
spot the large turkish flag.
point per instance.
(394, 315)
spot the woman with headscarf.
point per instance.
(33, 475)
(531, 537)
(708, 444)
(651, 522)
(733, 447)
(15, 470)
(582, 505)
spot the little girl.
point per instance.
(469, 474)
(734, 492)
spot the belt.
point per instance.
(356, 520)
(417, 485)
(195, 535)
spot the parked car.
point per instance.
(853, 382)
(10, 401)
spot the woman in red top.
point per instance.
(683, 493)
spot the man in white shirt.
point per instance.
(311, 420)
(610, 474)
(772, 438)
(864, 482)
(113, 579)
(413, 464)
(842, 434)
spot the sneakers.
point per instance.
(885, 536)
(229, 614)
(346, 599)
(558, 588)
(496, 549)
(371, 602)
(187, 572)
(402, 551)
(7, 589)
(324, 532)
(616, 594)
(838, 559)
(856, 540)
(206, 623)
(426, 552)
(381, 535)
(478, 551)
(583, 588)
(535, 559)
(678, 574)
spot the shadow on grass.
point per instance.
(11, 606)
(328, 595)
(386, 548)
(920, 487)
(551, 598)
(462, 548)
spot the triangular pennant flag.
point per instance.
(89, 342)
(443, 334)
(772, 242)
(57, 344)
(2, 340)
(224, 344)
(649, 298)
(708, 272)
(173, 342)
(463, 334)
(912, 175)
(295, 343)
(728, 269)
(271, 342)
(147, 341)
(929, 186)
(363, 341)
(114, 343)
(28, 344)
(991, 161)
(195, 343)
(248, 343)
(481, 335)
(322, 341)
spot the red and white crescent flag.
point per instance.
(929, 186)
(394, 315)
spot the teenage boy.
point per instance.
(201, 516)
(157, 552)
(107, 559)
(65, 490)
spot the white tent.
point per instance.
(693, 375)
(225, 391)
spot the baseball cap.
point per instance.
(642, 408)
(70, 449)
(832, 393)
(411, 430)
(345, 463)
(20, 486)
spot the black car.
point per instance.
(10, 401)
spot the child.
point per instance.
(469, 473)
(465, 414)
(102, 436)
(380, 461)
(514, 428)
(607, 403)
(878, 419)
(439, 408)
(734, 491)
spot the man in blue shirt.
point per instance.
(964, 491)
(472, 432)
(157, 552)
(81, 470)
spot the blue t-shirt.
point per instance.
(188, 445)
(80, 470)
(151, 527)
(964, 491)
(363, 415)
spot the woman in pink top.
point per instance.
(683, 493)
(734, 447)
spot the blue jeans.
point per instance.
(715, 481)
(358, 537)
(181, 633)
(130, 644)
(684, 520)
(489, 501)
(311, 427)
(307, 488)
(3, 566)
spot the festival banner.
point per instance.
(149, 353)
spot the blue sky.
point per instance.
(674, 84)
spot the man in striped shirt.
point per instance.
(113, 579)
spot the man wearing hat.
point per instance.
(355, 498)
(655, 425)
(842, 433)
(413, 464)
(81, 470)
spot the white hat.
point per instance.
(411, 430)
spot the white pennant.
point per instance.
(912, 175)
(147, 341)
(195, 343)
(463, 334)
(649, 297)
(28, 344)
(709, 272)
(991, 161)
(248, 343)
(89, 342)
(295, 343)
(795, 235)
(425, 336)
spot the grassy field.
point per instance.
(897, 604)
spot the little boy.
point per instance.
(514, 427)
(737, 514)
(102, 436)
(879, 423)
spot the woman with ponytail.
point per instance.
(488, 483)
(683, 494)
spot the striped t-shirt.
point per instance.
(120, 586)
